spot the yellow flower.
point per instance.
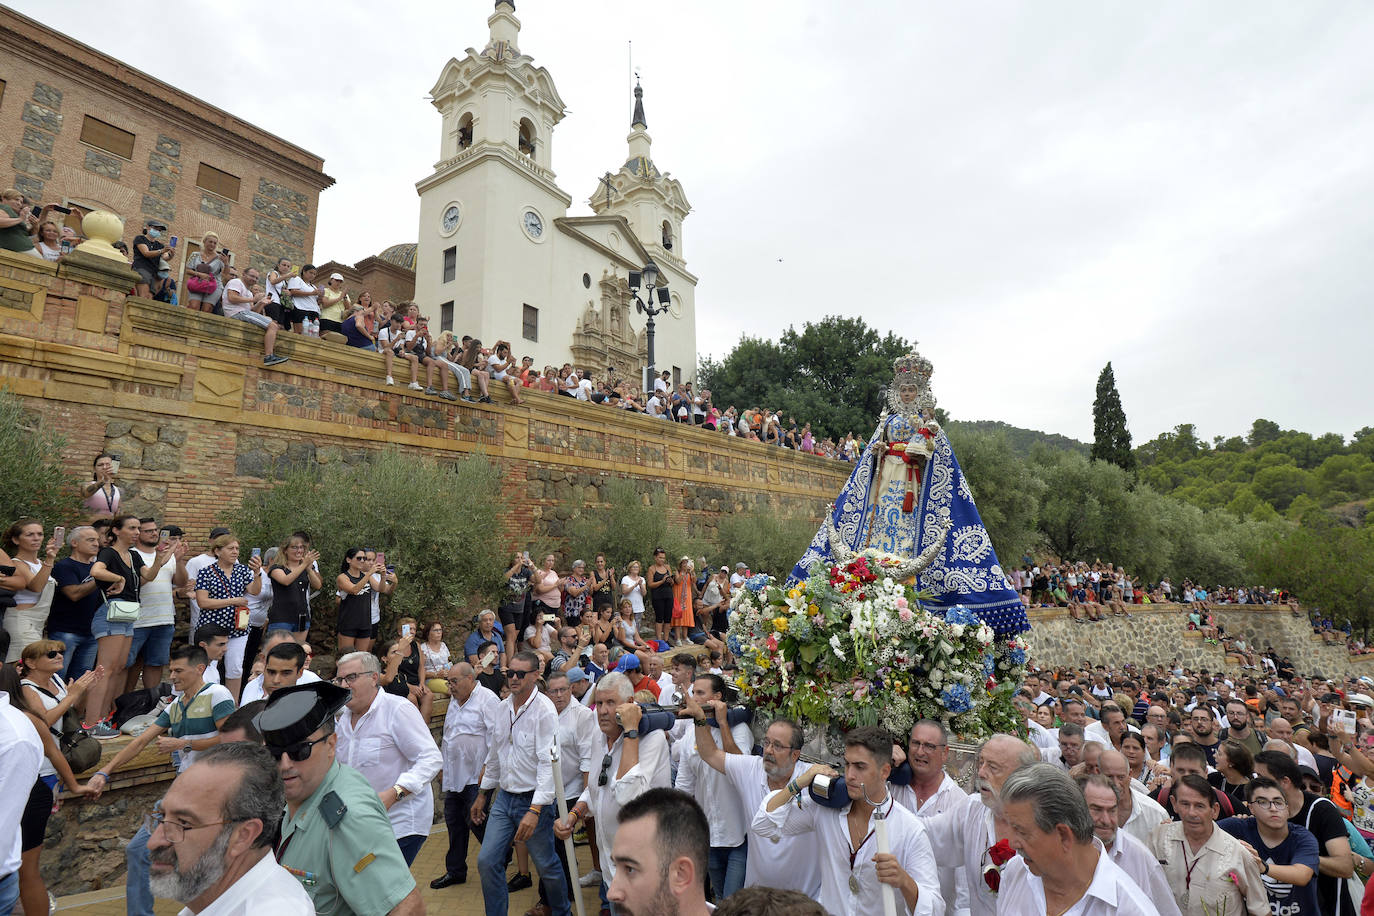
(780, 624)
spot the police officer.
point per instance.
(336, 837)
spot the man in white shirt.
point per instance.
(524, 728)
(384, 737)
(854, 874)
(785, 861)
(157, 614)
(1138, 814)
(932, 790)
(193, 568)
(467, 735)
(1130, 855)
(245, 300)
(211, 845)
(283, 666)
(22, 751)
(631, 764)
(1064, 869)
(709, 785)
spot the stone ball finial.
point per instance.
(102, 229)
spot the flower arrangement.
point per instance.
(852, 645)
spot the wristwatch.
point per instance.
(632, 733)
(400, 791)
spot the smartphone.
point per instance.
(407, 629)
(59, 534)
(257, 553)
(174, 240)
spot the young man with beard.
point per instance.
(1129, 854)
(234, 787)
(336, 837)
(784, 862)
(661, 844)
(853, 872)
(1287, 854)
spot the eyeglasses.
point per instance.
(173, 831)
(926, 746)
(299, 751)
(605, 776)
(517, 674)
(346, 680)
(1271, 803)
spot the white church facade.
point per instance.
(497, 249)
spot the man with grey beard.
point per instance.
(211, 842)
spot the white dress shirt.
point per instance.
(828, 830)
(781, 861)
(391, 745)
(1110, 893)
(725, 813)
(253, 689)
(604, 802)
(518, 758)
(266, 889)
(948, 797)
(467, 732)
(22, 750)
(1135, 859)
(578, 734)
(1146, 815)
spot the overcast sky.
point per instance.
(1028, 189)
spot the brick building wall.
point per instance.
(147, 149)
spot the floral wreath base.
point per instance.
(853, 645)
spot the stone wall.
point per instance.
(1158, 634)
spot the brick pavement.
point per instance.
(461, 900)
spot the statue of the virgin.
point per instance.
(908, 497)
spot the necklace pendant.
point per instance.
(853, 883)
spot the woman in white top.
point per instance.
(634, 587)
(32, 583)
(434, 654)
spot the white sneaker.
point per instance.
(590, 879)
(390, 380)
(415, 386)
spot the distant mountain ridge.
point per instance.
(1020, 440)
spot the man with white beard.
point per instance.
(236, 788)
(966, 836)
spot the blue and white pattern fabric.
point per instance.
(965, 573)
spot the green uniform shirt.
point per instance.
(356, 867)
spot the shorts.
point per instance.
(663, 606)
(367, 632)
(252, 317)
(33, 823)
(154, 642)
(100, 627)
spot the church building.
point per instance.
(499, 257)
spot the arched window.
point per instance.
(526, 140)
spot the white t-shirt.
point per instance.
(239, 288)
(156, 596)
(302, 303)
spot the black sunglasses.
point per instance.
(605, 772)
(299, 751)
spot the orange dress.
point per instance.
(682, 603)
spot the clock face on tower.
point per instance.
(449, 221)
(533, 224)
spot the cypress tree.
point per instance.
(1111, 438)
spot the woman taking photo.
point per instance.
(293, 576)
(204, 275)
(546, 588)
(221, 590)
(354, 583)
(102, 496)
(661, 593)
(634, 587)
(32, 583)
(121, 574)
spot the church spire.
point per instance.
(638, 119)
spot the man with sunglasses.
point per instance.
(336, 837)
(520, 767)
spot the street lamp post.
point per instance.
(647, 280)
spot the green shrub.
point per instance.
(438, 523)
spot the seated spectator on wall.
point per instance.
(246, 300)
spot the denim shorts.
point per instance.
(154, 642)
(100, 627)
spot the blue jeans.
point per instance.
(138, 896)
(506, 811)
(9, 892)
(80, 656)
(410, 846)
(726, 867)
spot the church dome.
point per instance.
(402, 255)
